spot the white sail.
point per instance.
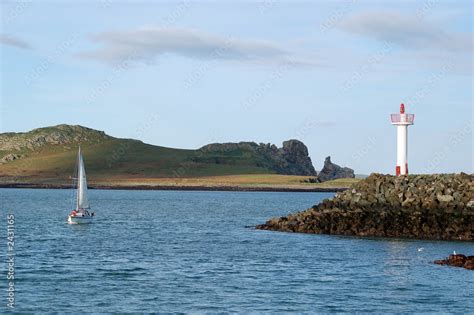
(82, 200)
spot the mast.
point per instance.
(78, 176)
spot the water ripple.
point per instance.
(181, 252)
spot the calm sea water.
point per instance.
(177, 251)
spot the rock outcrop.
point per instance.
(291, 159)
(457, 260)
(332, 171)
(413, 206)
(10, 157)
(56, 135)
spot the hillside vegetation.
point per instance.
(49, 155)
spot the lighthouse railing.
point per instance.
(408, 118)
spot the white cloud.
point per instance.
(147, 44)
(412, 32)
(14, 42)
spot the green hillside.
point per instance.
(49, 154)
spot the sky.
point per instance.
(184, 74)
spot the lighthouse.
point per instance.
(402, 121)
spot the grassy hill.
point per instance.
(49, 155)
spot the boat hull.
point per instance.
(79, 219)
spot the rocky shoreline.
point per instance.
(437, 207)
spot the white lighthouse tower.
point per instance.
(402, 121)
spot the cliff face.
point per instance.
(414, 206)
(291, 159)
(332, 171)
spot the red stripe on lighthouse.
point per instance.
(397, 170)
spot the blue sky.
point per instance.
(183, 74)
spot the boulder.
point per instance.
(10, 157)
(444, 198)
(469, 264)
(457, 260)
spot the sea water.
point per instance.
(183, 251)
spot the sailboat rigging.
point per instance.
(81, 213)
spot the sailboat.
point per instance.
(81, 213)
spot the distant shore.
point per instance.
(178, 187)
(249, 182)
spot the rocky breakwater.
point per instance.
(414, 206)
